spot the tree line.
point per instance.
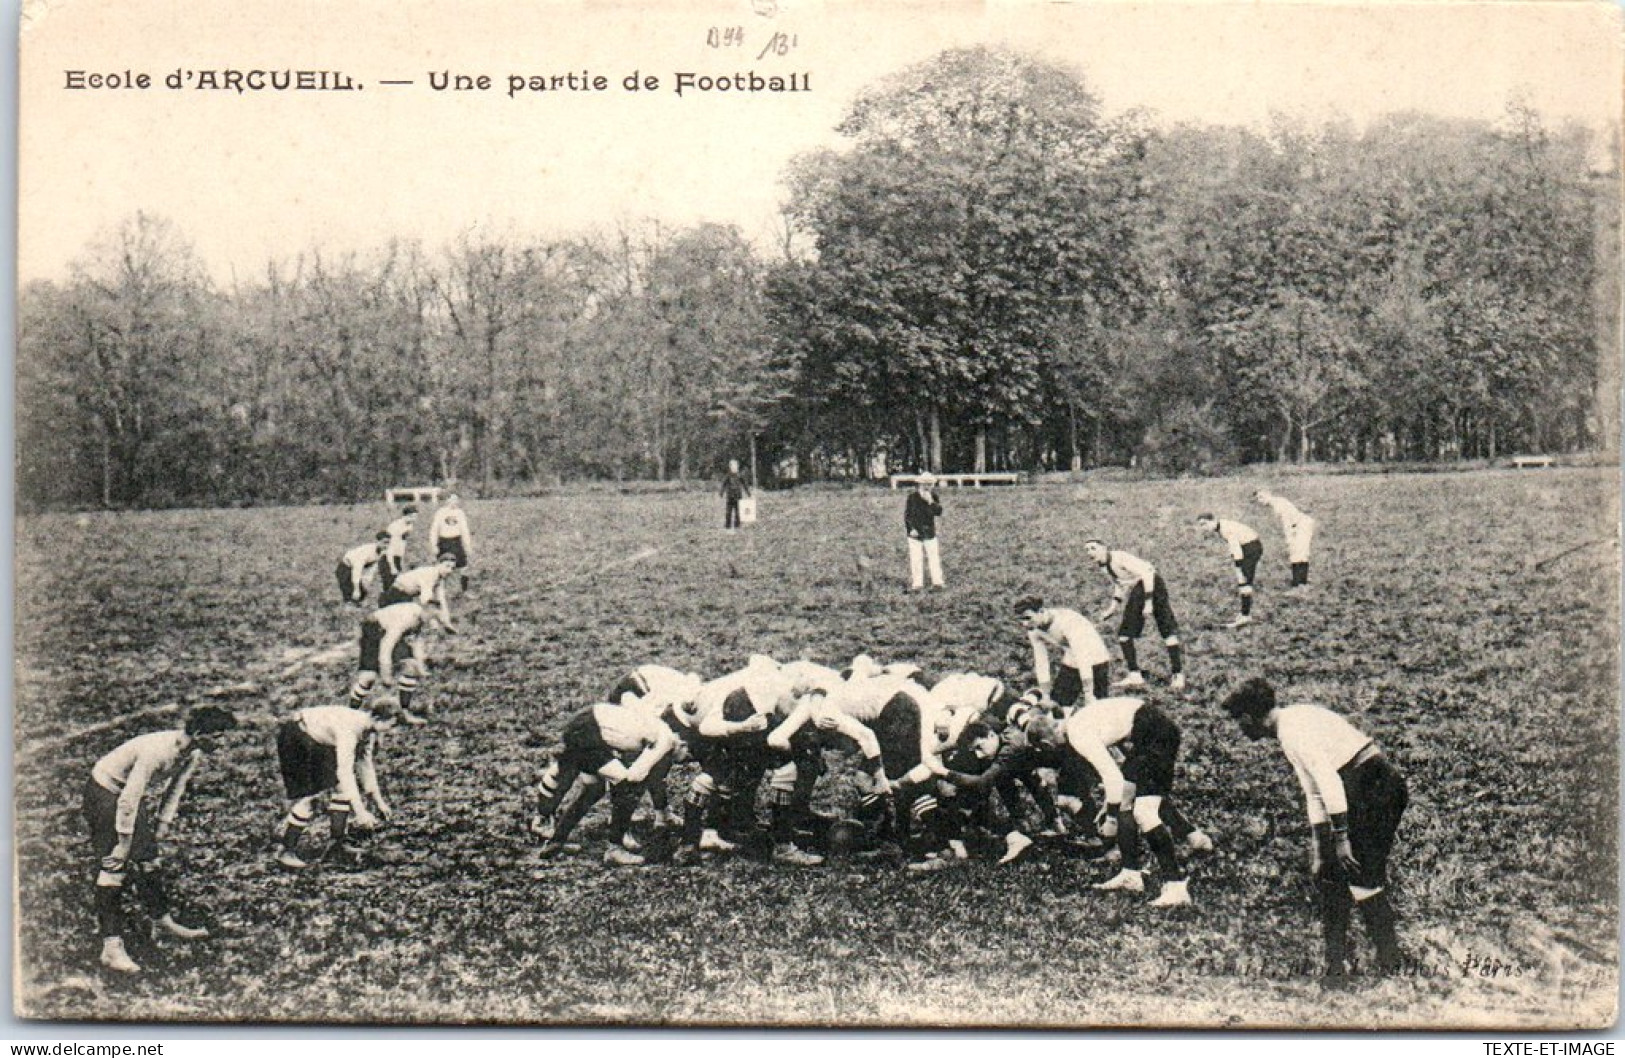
(989, 273)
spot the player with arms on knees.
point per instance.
(356, 568)
(1139, 589)
(1245, 550)
(1135, 792)
(328, 756)
(1354, 798)
(392, 654)
(426, 586)
(449, 533)
(124, 832)
(659, 691)
(595, 745)
(1081, 648)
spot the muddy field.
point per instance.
(1490, 681)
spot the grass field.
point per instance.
(1492, 684)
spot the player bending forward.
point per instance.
(1081, 647)
(1136, 791)
(1354, 798)
(1299, 530)
(393, 654)
(125, 834)
(595, 741)
(1139, 589)
(1245, 551)
(328, 756)
(356, 568)
(895, 723)
(658, 691)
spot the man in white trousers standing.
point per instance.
(920, 519)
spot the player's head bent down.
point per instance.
(208, 721)
(1029, 609)
(1097, 550)
(1251, 704)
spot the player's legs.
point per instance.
(1128, 630)
(916, 564)
(1168, 627)
(1377, 800)
(933, 560)
(1067, 688)
(1299, 537)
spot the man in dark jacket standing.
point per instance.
(920, 518)
(734, 489)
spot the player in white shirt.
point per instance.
(356, 568)
(1080, 646)
(659, 691)
(1299, 530)
(328, 753)
(449, 532)
(125, 831)
(426, 586)
(731, 716)
(392, 654)
(604, 744)
(1245, 551)
(1354, 799)
(899, 730)
(967, 697)
(1139, 589)
(394, 557)
(1135, 792)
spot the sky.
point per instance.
(264, 175)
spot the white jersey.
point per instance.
(1093, 730)
(1236, 534)
(762, 682)
(1286, 510)
(135, 767)
(665, 689)
(1317, 742)
(1075, 636)
(449, 523)
(964, 697)
(424, 582)
(363, 557)
(627, 730)
(1126, 570)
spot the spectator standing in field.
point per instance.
(920, 516)
(1245, 551)
(1081, 648)
(1299, 530)
(1139, 589)
(124, 832)
(322, 752)
(394, 557)
(1354, 798)
(734, 489)
(449, 534)
(356, 568)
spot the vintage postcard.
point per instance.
(818, 513)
